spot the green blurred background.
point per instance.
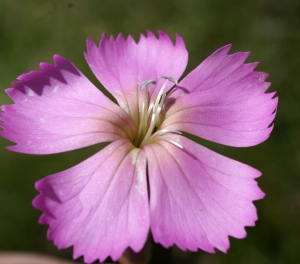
(32, 31)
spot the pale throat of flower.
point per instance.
(150, 114)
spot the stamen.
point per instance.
(160, 93)
(143, 118)
(150, 112)
(173, 142)
(171, 79)
(163, 131)
(155, 114)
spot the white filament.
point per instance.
(150, 112)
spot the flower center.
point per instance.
(150, 116)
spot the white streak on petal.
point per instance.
(134, 155)
(55, 89)
(139, 167)
(30, 92)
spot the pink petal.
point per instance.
(198, 197)
(224, 101)
(59, 109)
(121, 65)
(99, 206)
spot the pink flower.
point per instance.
(150, 177)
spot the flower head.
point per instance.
(150, 177)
